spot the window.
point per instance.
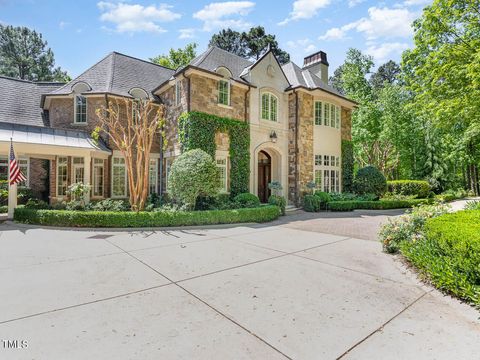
(62, 176)
(22, 164)
(318, 113)
(98, 177)
(177, 92)
(327, 173)
(153, 177)
(135, 109)
(222, 169)
(78, 170)
(119, 177)
(168, 164)
(224, 92)
(80, 109)
(269, 107)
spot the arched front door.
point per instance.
(264, 175)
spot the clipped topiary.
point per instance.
(369, 180)
(193, 174)
(246, 200)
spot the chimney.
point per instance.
(317, 63)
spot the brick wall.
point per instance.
(38, 177)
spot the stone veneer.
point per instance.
(346, 124)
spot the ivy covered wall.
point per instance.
(197, 131)
(347, 165)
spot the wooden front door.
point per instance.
(264, 176)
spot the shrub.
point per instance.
(3, 209)
(375, 205)
(219, 202)
(278, 201)
(36, 204)
(108, 205)
(418, 188)
(193, 174)
(144, 219)
(472, 205)
(246, 200)
(369, 180)
(408, 227)
(323, 197)
(342, 196)
(449, 254)
(311, 203)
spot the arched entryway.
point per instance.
(264, 175)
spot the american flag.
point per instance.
(16, 175)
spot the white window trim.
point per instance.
(75, 110)
(270, 95)
(156, 176)
(224, 190)
(78, 166)
(229, 94)
(125, 180)
(322, 168)
(168, 166)
(56, 180)
(338, 109)
(94, 178)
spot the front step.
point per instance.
(291, 208)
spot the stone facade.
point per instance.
(346, 124)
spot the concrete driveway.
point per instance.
(284, 290)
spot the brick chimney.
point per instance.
(317, 63)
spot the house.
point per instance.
(297, 122)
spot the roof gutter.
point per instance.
(327, 91)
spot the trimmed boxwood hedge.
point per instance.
(375, 205)
(120, 219)
(449, 255)
(420, 188)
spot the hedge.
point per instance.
(449, 255)
(375, 205)
(144, 219)
(419, 188)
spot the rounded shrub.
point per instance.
(311, 203)
(369, 180)
(193, 174)
(278, 201)
(246, 200)
(418, 188)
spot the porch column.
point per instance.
(87, 175)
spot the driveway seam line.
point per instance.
(207, 304)
(383, 325)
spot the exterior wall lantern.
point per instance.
(273, 136)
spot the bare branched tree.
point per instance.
(132, 126)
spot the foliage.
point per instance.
(343, 196)
(144, 219)
(347, 165)
(388, 73)
(276, 187)
(449, 253)
(3, 209)
(408, 227)
(25, 55)
(369, 180)
(311, 185)
(246, 200)
(311, 203)
(350, 205)
(197, 131)
(279, 201)
(419, 188)
(324, 198)
(23, 194)
(177, 58)
(132, 127)
(219, 202)
(472, 205)
(78, 192)
(450, 195)
(108, 205)
(193, 174)
(249, 45)
(36, 204)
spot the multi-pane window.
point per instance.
(135, 109)
(22, 164)
(98, 177)
(224, 92)
(327, 114)
(80, 109)
(327, 173)
(119, 177)
(152, 176)
(168, 165)
(62, 176)
(269, 107)
(223, 171)
(78, 169)
(177, 92)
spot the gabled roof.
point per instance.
(20, 101)
(118, 74)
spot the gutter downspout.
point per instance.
(247, 93)
(297, 195)
(188, 91)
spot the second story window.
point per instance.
(269, 107)
(177, 92)
(327, 114)
(80, 109)
(224, 92)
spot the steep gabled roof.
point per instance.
(118, 74)
(20, 101)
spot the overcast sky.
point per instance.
(82, 32)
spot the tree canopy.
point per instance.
(177, 58)
(249, 45)
(25, 55)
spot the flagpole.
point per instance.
(12, 189)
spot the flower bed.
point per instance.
(126, 219)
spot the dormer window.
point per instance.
(269, 106)
(80, 109)
(224, 86)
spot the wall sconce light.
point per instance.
(273, 136)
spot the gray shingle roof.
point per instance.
(20, 101)
(118, 74)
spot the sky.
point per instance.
(80, 33)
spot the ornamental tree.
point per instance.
(132, 126)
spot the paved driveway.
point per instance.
(283, 290)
